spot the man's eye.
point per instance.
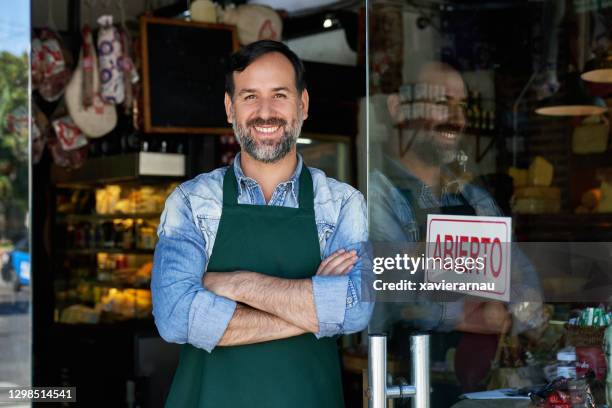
(249, 97)
(280, 96)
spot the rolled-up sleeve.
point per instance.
(339, 300)
(184, 311)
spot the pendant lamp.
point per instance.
(574, 100)
(599, 69)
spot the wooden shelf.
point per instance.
(590, 219)
(101, 217)
(92, 251)
(563, 227)
(593, 159)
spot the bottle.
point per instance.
(477, 111)
(130, 142)
(607, 346)
(469, 111)
(491, 124)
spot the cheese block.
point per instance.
(540, 172)
(553, 193)
(605, 205)
(536, 206)
(588, 139)
(519, 176)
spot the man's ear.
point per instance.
(305, 100)
(228, 108)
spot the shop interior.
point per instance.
(103, 165)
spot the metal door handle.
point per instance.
(379, 391)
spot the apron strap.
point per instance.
(230, 187)
(306, 194)
(305, 197)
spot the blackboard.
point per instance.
(183, 67)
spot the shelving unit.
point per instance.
(102, 256)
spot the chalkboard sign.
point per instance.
(183, 67)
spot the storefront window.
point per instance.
(489, 140)
(15, 321)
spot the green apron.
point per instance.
(300, 371)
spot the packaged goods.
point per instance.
(550, 193)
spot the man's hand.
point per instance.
(221, 283)
(288, 299)
(250, 326)
(485, 317)
(338, 263)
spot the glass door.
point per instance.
(481, 116)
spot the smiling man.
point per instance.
(238, 275)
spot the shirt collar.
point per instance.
(244, 181)
(402, 178)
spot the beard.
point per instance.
(268, 151)
(426, 146)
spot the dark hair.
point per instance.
(244, 57)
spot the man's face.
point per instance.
(266, 110)
(436, 139)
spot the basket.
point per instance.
(585, 336)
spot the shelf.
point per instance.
(101, 217)
(116, 285)
(564, 227)
(126, 326)
(599, 220)
(143, 166)
(593, 159)
(92, 251)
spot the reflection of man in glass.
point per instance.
(415, 179)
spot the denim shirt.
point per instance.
(393, 220)
(186, 312)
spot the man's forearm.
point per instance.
(290, 299)
(249, 326)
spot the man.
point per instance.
(238, 275)
(413, 180)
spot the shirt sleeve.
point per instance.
(340, 304)
(184, 311)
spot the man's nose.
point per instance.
(265, 110)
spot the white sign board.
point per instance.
(473, 255)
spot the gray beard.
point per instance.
(425, 147)
(268, 152)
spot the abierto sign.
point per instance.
(473, 253)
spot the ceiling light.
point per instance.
(575, 101)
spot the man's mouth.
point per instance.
(266, 129)
(448, 133)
